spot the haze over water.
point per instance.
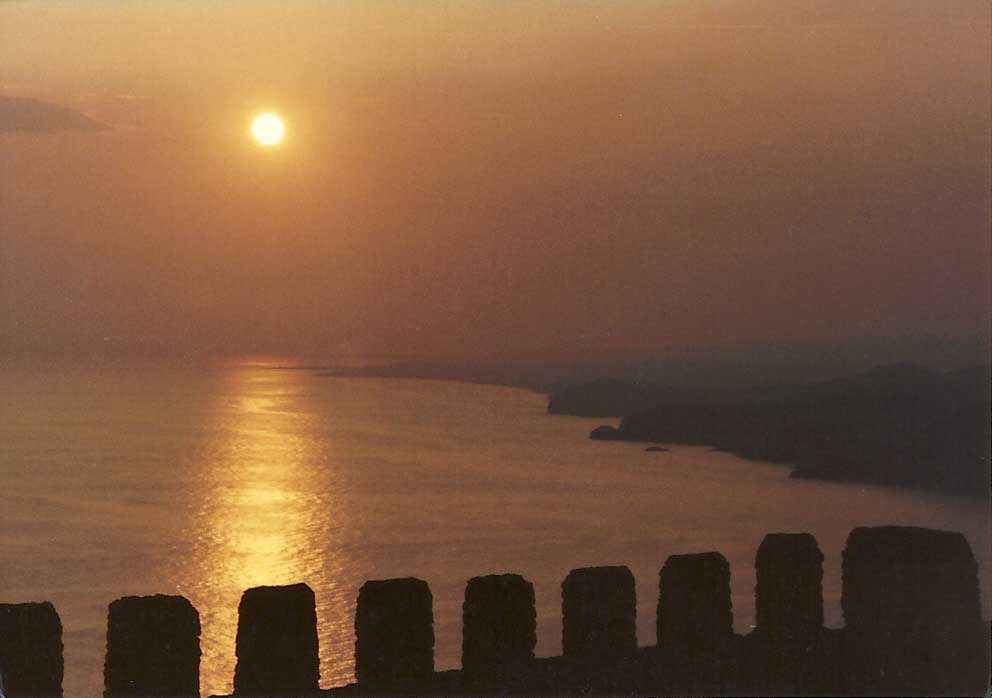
(204, 481)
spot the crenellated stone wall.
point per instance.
(910, 599)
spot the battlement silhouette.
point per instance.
(910, 599)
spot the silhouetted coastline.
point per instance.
(898, 424)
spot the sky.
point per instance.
(491, 179)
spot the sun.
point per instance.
(268, 129)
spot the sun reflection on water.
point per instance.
(266, 515)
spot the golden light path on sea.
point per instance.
(268, 517)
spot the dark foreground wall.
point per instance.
(30, 650)
(599, 628)
(153, 648)
(790, 652)
(789, 591)
(499, 622)
(695, 626)
(694, 609)
(910, 599)
(912, 611)
(277, 642)
(394, 633)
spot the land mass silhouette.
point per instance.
(898, 424)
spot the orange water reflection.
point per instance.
(267, 514)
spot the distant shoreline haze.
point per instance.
(717, 365)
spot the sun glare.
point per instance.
(268, 129)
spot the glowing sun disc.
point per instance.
(268, 129)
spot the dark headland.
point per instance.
(898, 424)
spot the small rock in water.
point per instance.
(656, 449)
(605, 433)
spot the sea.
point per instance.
(208, 478)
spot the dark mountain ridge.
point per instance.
(616, 398)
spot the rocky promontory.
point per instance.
(898, 424)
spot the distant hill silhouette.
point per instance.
(607, 398)
(722, 369)
(35, 116)
(896, 424)
(616, 398)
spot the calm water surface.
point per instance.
(205, 481)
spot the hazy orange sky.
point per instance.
(491, 178)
